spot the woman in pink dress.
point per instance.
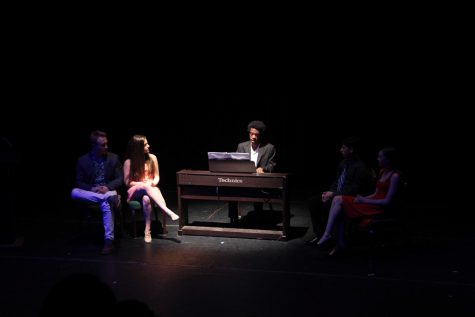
(348, 207)
(141, 176)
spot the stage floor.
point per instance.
(434, 271)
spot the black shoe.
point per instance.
(312, 242)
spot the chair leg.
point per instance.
(118, 223)
(122, 222)
(88, 222)
(164, 223)
(134, 222)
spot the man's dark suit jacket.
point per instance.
(265, 158)
(359, 179)
(85, 172)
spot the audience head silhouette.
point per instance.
(79, 295)
(132, 307)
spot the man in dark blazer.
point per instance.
(98, 176)
(262, 153)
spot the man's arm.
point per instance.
(241, 148)
(270, 162)
(334, 185)
(114, 173)
(83, 175)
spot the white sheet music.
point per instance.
(228, 156)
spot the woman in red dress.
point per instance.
(348, 207)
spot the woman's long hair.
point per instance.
(138, 159)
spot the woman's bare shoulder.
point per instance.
(153, 157)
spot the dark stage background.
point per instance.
(181, 129)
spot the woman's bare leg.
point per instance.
(147, 214)
(335, 211)
(156, 195)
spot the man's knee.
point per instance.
(75, 193)
(146, 200)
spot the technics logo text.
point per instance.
(229, 180)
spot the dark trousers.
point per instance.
(318, 213)
(233, 209)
